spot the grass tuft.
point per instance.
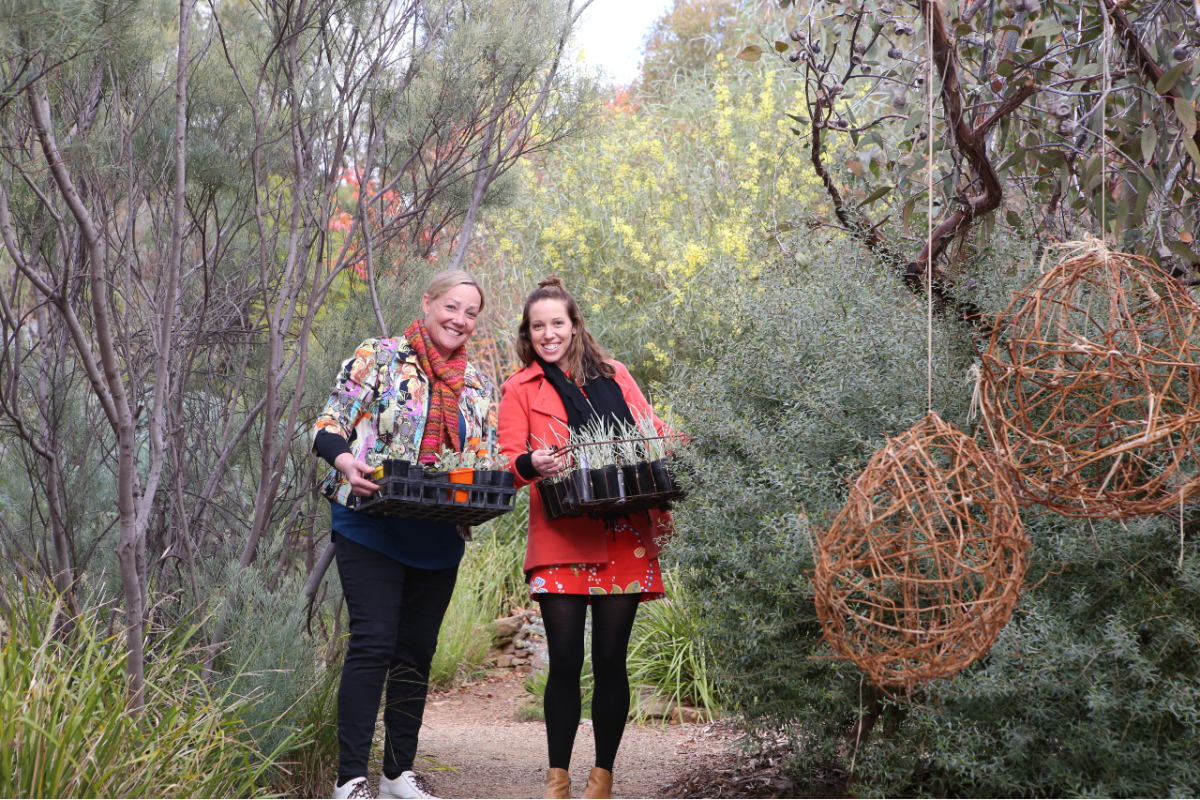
(66, 729)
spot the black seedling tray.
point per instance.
(562, 500)
(431, 496)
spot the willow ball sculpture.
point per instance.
(1090, 386)
(922, 568)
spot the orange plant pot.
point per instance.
(462, 475)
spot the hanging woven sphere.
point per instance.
(1090, 386)
(921, 570)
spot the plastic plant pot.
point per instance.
(564, 493)
(599, 484)
(581, 480)
(483, 477)
(662, 478)
(645, 478)
(500, 478)
(629, 481)
(551, 499)
(414, 473)
(429, 494)
(461, 475)
(612, 481)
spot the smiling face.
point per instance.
(550, 329)
(451, 317)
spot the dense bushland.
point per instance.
(737, 232)
(1092, 688)
(68, 730)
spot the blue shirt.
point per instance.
(413, 542)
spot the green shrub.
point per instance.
(1092, 689)
(288, 679)
(489, 577)
(67, 731)
(667, 653)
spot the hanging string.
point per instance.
(1181, 529)
(929, 215)
(1104, 50)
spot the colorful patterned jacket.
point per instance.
(379, 404)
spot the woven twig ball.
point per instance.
(1090, 386)
(921, 570)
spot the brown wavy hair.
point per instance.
(585, 358)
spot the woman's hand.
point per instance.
(355, 470)
(548, 463)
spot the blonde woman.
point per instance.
(398, 398)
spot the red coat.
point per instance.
(532, 416)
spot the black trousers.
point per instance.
(612, 622)
(395, 614)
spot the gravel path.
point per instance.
(472, 745)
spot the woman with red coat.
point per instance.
(567, 382)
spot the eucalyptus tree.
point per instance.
(1049, 118)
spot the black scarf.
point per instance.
(604, 398)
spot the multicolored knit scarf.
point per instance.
(446, 383)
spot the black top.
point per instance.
(600, 397)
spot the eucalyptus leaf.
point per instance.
(1167, 81)
(751, 53)
(875, 195)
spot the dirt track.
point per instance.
(473, 746)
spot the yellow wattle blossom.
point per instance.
(641, 216)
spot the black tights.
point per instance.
(612, 622)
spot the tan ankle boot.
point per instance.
(558, 783)
(599, 784)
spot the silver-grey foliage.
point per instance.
(1091, 690)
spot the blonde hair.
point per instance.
(585, 358)
(445, 281)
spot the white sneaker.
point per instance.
(354, 788)
(409, 786)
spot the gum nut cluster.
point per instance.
(1062, 110)
(895, 52)
(1026, 6)
(904, 29)
(886, 8)
(796, 35)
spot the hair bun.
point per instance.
(551, 280)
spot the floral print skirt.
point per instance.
(628, 571)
